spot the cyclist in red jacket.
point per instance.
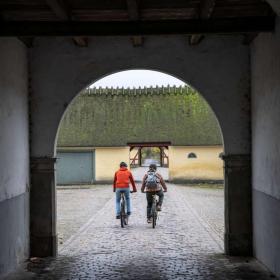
(121, 185)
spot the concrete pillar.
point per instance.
(238, 205)
(43, 240)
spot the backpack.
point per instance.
(152, 180)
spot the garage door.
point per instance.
(75, 168)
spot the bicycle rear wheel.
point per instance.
(122, 214)
(154, 219)
(126, 220)
(154, 215)
(122, 221)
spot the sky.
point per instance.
(137, 78)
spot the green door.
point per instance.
(75, 168)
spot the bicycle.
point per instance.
(154, 211)
(123, 215)
(154, 208)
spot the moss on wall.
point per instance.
(113, 117)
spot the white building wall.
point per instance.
(266, 148)
(14, 155)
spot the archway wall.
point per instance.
(218, 68)
(14, 151)
(266, 147)
(275, 4)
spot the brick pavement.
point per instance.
(181, 247)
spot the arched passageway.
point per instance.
(97, 131)
(227, 72)
(58, 80)
(101, 249)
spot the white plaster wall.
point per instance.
(266, 113)
(14, 147)
(218, 68)
(266, 148)
(14, 155)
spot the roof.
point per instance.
(148, 144)
(115, 117)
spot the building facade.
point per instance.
(95, 135)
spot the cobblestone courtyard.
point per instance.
(186, 244)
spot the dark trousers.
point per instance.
(149, 196)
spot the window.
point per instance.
(192, 155)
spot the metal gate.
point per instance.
(75, 168)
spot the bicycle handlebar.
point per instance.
(146, 191)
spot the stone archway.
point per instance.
(219, 70)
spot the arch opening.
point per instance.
(102, 152)
(175, 79)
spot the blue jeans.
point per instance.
(126, 192)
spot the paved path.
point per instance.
(183, 246)
(139, 172)
(207, 202)
(76, 206)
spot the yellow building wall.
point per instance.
(107, 161)
(207, 166)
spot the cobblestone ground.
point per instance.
(76, 206)
(207, 203)
(139, 172)
(182, 246)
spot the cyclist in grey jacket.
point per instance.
(152, 184)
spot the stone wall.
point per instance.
(266, 148)
(14, 159)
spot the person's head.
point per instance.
(153, 167)
(123, 164)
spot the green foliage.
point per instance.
(113, 117)
(151, 153)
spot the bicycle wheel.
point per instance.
(154, 215)
(126, 220)
(125, 216)
(122, 220)
(154, 219)
(122, 213)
